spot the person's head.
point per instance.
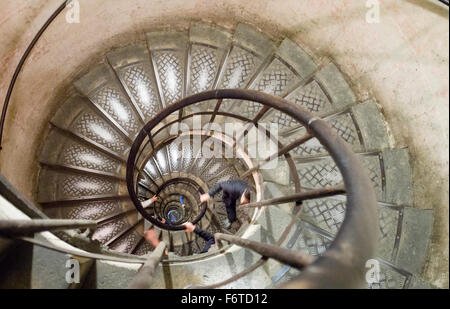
(245, 198)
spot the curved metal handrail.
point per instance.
(22, 62)
(342, 265)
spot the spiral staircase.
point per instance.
(86, 172)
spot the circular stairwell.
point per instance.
(84, 158)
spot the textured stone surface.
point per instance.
(416, 231)
(371, 125)
(296, 57)
(336, 86)
(398, 177)
(417, 283)
(111, 275)
(389, 278)
(32, 267)
(104, 91)
(133, 67)
(383, 74)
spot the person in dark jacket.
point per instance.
(208, 237)
(232, 191)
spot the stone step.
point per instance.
(208, 47)
(391, 277)
(80, 119)
(106, 94)
(162, 161)
(62, 151)
(324, 94)
(389, 171)
(121, 231)
(249, 50)
(145, 181)
(168, 51)
(135, 71)
(129, 241)
(90, 210)
(362, 127)
(289, 66)
(56, 185)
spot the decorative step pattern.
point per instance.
(326, 93)
(389, 171)
(288, 66)
(249, 50)
(101, 87)
(168, 51)
(207, 50)
(135, 71)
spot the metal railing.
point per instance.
(342, 265)
(25, 227)
(21, 64)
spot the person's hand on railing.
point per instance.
(189, 227)
(205, 197)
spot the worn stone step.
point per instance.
(106, 94)
(119, 229)
(129, 241)
(168, 52)
(80, 119)
(249, 50)
(362, 127)
(325, 94)
(32, 267)
(389, 171)
(55, 185)
(135, 71)
(208, 47)
(90, 210)
(289, 66)
(63, 151)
